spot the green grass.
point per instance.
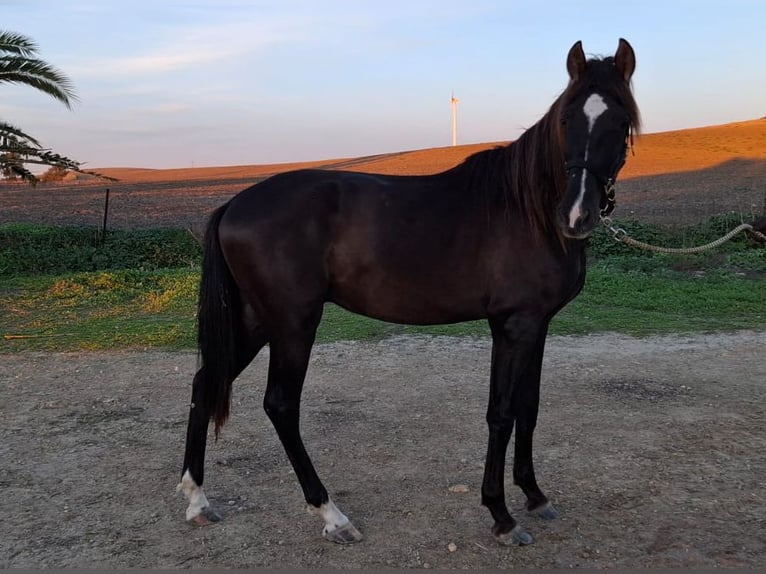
(142, 309)
(641, 304)
(99, 310)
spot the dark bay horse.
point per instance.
(501, 236)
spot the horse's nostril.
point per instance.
(580, 224)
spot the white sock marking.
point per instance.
(594, 107)
(333, 518)
(194, 494)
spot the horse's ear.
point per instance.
(625, 59)
(576, 61)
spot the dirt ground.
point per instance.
(653, 450)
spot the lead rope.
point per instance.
(619, 234)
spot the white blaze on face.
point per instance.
(593, 109)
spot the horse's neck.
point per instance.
(537, 176)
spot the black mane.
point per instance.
(528, 173)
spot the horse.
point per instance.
(501, 236)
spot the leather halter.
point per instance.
(607, 181)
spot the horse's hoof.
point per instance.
(517, 536)
(206, 516)
(545, 511)
(346, 534)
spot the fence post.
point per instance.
(106, 215)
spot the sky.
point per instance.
(175, 84)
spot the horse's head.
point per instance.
(597, 113)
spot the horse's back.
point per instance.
(413, 209)
(392, 247)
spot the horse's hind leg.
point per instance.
(288, 363)
(199, 511)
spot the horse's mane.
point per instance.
(528, 174)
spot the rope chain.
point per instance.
(622, 236)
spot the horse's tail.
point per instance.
(218, 310)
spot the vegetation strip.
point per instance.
(61, 291)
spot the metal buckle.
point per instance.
(611, 201)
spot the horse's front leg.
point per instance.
(515, 342)
(526, 402)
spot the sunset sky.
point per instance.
(201, 83)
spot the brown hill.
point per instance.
(696, 149)
(674, 177)
(406, 162)
(656, 153)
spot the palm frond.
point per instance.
(38, 74)
(17, 148)
(15, 154)
(20, 171)
(7, 131)
(14, 43)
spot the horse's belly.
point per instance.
(396, 300)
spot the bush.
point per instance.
(54, 174)
(737, 254)
(38, 250)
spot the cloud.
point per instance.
(168, 108)
(188, 47)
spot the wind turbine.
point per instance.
(453, 104)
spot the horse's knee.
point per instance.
(279, 409)
(500, 423)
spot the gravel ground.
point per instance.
(653, 450)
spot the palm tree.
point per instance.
(18, 65)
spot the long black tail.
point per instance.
(218, 317)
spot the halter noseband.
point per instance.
(609, 180)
